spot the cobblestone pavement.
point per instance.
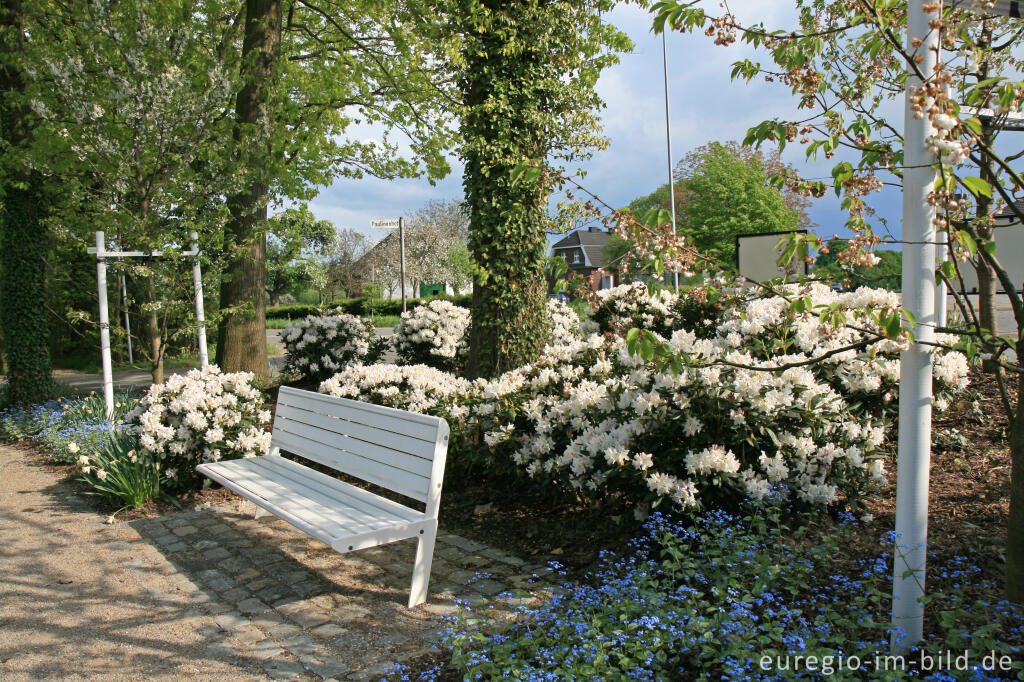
(210, 594)
(307, 612)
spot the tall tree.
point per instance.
(298, 242)
(724, 193)
(23, 214)
(242, 335)
(529, 70)
(139, 93)
(311, 69)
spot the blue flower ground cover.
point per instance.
(727, 598)
(67, 427)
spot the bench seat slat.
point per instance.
(347, 422)
(303, 441)
(284, 487)
(421, 426)
(346, 494)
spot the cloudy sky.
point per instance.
(705, 105)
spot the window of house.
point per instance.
(576, 257)
(606, 282)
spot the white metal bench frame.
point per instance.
(398, 450)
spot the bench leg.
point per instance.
(421, 569)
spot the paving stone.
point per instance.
(264, 650)
(461, 577)
(475, 561)
(217, 580)
(252, 605)
(243, 576)
(349, 641)
(247, 634)
(308, 588)
(259, 584)
(185, 531)
(267, 620)
(304, 615)
(347, 612)
(302, 645)
(488, 587)
(204, 545)
(236, 594)
(328, 631)
(274, 593)
(176, 547)
(438, 609)
(283, 631)
(216, 554)
(464, 543)
(502, 556)
(283, 669)
(327, 667)
(393, 640)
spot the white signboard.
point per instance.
(384, 224)
(758, 257)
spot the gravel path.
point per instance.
(80, 599)
(212, 593)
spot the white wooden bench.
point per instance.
(394, 449)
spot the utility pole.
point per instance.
(668, 146)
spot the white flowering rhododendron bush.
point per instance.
(434, 334)
(743, 417)
(202, 416)
(565, 323)
(319, 346)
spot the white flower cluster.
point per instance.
(319, 346)
(565, 323)
(417, 388)
(602, 423)
(434, 334)
(202, 416)
(629, 305)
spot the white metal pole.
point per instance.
(101, 279)
(668, 145)
(915, 407)
(127, 322)
(401, 245)
(197, 283)
(941, 293)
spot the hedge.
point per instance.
(358, 306)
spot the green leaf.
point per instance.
(977, 186)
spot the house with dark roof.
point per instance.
(583, 252)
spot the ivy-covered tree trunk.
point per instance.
(23, 244)
(242, 338)
(503, 94)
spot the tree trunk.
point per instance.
(242, 337)
(986, 276)
(24, 235)
(156, 351)
(1015, 526)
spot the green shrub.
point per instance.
(121, 472)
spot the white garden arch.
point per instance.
(102, 256)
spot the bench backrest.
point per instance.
(398, 450)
